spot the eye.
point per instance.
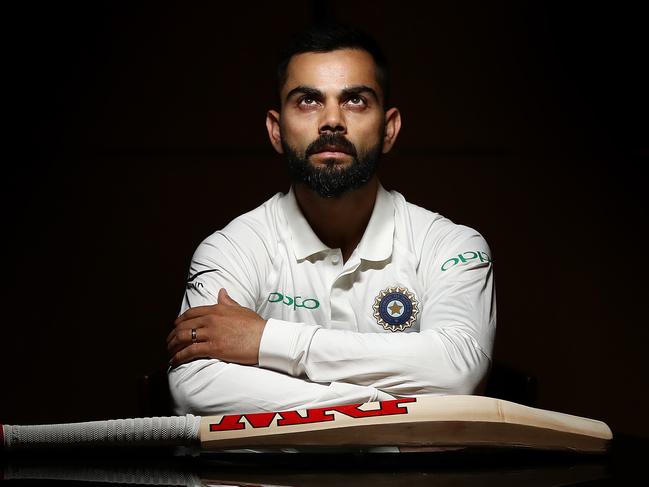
(307, 101)
(357, 101)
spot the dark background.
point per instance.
(137, 129)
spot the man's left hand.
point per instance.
(225, 331)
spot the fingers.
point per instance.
(189, 353)
(214, 325)
(196, 323)
(224, 298)
(197, 318)
(195, 312)
(183, 336)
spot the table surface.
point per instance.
(484, 467)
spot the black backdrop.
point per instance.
(137, 129)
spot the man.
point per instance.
(339, 291)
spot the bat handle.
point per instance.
(157, 431)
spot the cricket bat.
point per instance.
(408, 423)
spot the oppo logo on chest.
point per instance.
(294, 302)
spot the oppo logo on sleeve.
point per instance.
(465, 257)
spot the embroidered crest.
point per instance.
(395, 308)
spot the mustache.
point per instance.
(334, 141)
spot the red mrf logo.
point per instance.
(316, 415)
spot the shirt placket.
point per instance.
(342, 312)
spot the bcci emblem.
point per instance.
(395, 308)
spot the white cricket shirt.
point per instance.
(412, 311)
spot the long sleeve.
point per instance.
(450, 354)
(210, 386)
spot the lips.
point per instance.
(332, 148)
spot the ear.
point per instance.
(392, 127)
(274, 131)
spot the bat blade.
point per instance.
(430, 422)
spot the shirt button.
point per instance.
(335, 259)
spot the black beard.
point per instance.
(332, 180)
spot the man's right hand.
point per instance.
(226, 331)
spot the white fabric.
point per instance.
(323, 344)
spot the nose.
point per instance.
(332, 120)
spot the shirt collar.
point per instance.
(376, 244)
(305, 241)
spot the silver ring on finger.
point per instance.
(194, 338)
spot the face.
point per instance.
(333, 126)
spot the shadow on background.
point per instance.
(137, 130)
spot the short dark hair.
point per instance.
(332, 37)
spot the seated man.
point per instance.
(339, 291)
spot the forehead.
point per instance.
(331, 71)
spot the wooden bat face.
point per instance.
(442, 421)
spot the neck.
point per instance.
(339, 222)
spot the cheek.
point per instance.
(298, 134)
(369, 136)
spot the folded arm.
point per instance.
(449, 355)
(306, 363)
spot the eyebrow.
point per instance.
(346, 92)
